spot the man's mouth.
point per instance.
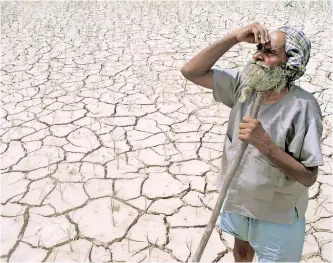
(261, 65)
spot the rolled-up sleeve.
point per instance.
(225, 86)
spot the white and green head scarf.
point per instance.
(297, 48)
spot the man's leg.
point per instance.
(238, 226)
(243, 252)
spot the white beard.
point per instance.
(259, 77)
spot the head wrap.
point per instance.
(297, 48)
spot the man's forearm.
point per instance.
(293, 169)
(204, 61)
(252, 131)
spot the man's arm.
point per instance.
(293, 169)
(252, 132)
(198, 69)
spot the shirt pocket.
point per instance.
(258, 179)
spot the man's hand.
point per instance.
(253, 33)
(252, 131)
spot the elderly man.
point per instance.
(267, 199)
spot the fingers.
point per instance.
(243, 137)
(260, 34)
(266, 35)
(256, 32)
(249, 120)
(245, 131)
(246, 125)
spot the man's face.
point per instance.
(272, 53)
(264, 72)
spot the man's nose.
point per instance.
(258, 56)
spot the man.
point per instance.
(267, 199)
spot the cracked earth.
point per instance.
(108, 153)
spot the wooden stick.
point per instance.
(225, 187)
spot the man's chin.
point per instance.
(262, 79)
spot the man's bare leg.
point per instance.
(243, 252)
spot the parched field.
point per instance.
(107, 153)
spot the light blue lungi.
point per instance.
(272, 242)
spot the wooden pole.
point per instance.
(225, 187)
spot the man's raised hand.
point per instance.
(252, 33)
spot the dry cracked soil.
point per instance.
(108, 153)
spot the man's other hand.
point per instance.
(252, 131)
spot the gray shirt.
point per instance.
(259, 189)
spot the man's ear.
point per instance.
(284, 65)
